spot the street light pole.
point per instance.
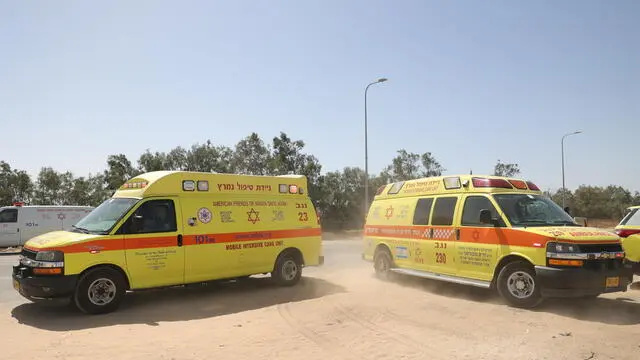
(366, 149)
(564, 189)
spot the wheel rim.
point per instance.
(382, 265)
(521, 284)
(101, 292)
(289, 270)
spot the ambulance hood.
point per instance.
(57, 239)
(574, 233)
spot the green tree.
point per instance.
(209, 158)
(48, 189)
(15, 185)
(149, 161)
(506, 169)
(591, 202)
(407, 166)
(341, 205)
(287, 158)
(431, 166)
(619, 199)
(252, 156)
(569, 200)
(178, 159)
(98, 191)
(119, 170)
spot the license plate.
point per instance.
(612, 282)
(16, 285)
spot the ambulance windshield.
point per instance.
(105, 216)
(532, 210)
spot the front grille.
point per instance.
(598, 248)
(28, 254)
(603, 264)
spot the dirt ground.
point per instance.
(339, 311)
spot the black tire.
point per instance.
(519, 277)
(383, 263)
(287, 270)
(108, 288)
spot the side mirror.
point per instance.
(485, 218)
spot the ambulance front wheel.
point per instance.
(288, 269)
(100, 291)
(382, 262)
(517, 284)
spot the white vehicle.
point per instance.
(20, 223)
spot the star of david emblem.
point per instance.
(389, 212)
(254, 216)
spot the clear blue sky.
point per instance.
(470, 81)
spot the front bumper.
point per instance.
(635, 267)
(35, 287)
(555, 282)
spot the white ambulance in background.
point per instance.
(19, 223)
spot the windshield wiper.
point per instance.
(564, 222)
(82, 230)
(533, 223)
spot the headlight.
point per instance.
(563, 248)
(54, 256)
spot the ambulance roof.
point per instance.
(57, 207)
(163, 183)
(449, 184)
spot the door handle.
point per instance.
(179, 240)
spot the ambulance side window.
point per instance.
(443, 211)
(471, 211)
(9, 216)
(423, 211)
(153, 216)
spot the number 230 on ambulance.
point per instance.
(491, 232)
(171, 228)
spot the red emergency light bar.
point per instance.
(519, 184)
(532, 186)
(18, 203)
(624, 233)
(492, 183)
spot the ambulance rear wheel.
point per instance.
(288, 270)
(517, 284)
(382, 263)
(100, 291)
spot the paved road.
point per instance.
(8, 296)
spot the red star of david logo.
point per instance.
(476, 235)
(254, 216)
(389, 212)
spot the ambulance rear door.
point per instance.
(9, 229)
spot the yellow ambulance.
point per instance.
(491, 232)
(171, 228)
(629, 230)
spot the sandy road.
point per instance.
(339, 311)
